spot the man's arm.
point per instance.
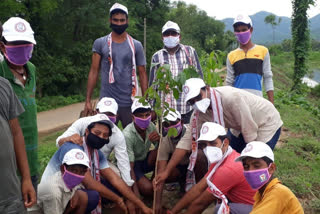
(115, 181)
(74, 132)
(230, 73)
(28, 192)
(90, 183)
(190, 196)
(201, 203)
(143, 78)
(92, 80)
(176, 158)
(122, 157)
(158, 187)
(267, 77)
(197, 63)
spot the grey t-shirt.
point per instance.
(10, 108)
(121, 89)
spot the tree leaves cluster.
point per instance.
(300, 39)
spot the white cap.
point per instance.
(136, 104)
(101, 118)
(107, 104)
(76, 156)
(171, 26)
(243, 18)
(172, 116)
(256, 149)
(118, 6)
(211, 131)
(18, 29)
(192, 88)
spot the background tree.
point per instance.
(272, 20)
(300, 39)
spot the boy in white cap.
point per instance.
(249, 65)
(259, 168)
(101, 181)
(224, 183)
(76, 131)
(179, 57)
(17, 45)
(139, 135)
(62, 192)
(119, 58)
(255, 118)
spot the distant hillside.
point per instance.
(263, 33)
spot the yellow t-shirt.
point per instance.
(276, 199)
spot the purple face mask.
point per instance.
(177, 126)
(257, 178)
(71, 179)
(142, 123)
(19, 54)
(243, 37)
(113, 118)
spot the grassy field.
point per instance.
(298, 152)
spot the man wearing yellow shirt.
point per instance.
(272, 196)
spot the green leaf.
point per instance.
(176, 93)
(172, 132)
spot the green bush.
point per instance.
(52, 102)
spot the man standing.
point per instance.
(179, 57)
(271, 196)
(14, 196)
(250, 63)
(117, 56)
(17, 45)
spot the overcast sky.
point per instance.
(229, 8)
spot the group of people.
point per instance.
(222, 152)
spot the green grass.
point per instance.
(47, 147)
(298, 158)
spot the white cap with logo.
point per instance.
(192, 88)
(211, 131)
(107, 104)
(118, 6)
(76, 156)
(101, 118)
(256, 149)
(243, 18)
(171, 26)
(136, 104)
(172, 116)
(18, 29)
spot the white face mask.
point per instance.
(171, 41)
(202, 105)
(213, 154)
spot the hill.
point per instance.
(263, 32)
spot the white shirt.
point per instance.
(54, 195)
(117, 142)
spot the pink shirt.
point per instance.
(229, 179)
